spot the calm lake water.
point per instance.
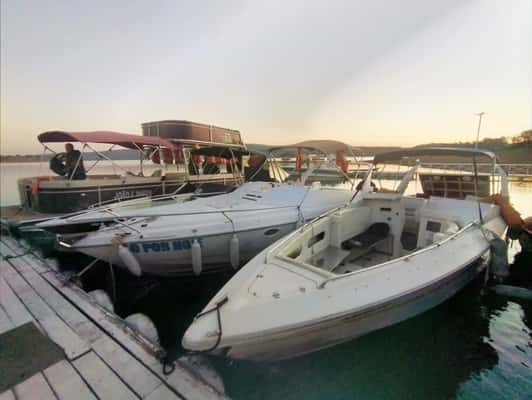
(477, 345)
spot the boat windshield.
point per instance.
(440, 171)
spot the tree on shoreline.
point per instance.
(525, 138)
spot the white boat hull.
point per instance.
(161, 239)
(320, 317)
(328, 333)
(173, 256)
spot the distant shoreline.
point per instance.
(509, 154)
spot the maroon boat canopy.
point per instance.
(121, 139)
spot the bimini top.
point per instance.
(324, 146)
(121, 139)
(397, 155)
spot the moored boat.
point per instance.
(168, 144)
(196, 235)
(381, 259)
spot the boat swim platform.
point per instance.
(100, 357)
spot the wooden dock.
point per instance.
(103, 357)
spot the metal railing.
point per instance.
(524, 170)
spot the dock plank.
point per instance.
(54, 327)
(5, 322)
(33, 388)
(66, 383)
(65, 309)
(182, 380)
(113, 326)
(10, 247)
(135, 374)
(101, 378)
(7, 395)
(16, 311)
(161, 393)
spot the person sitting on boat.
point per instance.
(74, 167)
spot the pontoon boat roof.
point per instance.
(121, 139)
(397, 155)
(193, 132)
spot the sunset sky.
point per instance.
(364, 72)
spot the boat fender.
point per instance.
(513, 291)
(129, 260)
(196, 257)
(144, 325)
(101, 298)
(234, 252)
(499, 258)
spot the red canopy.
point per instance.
(121, 139)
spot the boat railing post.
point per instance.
(102, 155)
(120, 222)
(78, 162)
(141, 158)
(186, 161)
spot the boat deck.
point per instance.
(100, 356)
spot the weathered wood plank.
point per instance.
(66, 383)
(9, 246)
(5, 322)
(54, 327)
(7, 395)
(181, 379)
(33, 388)
(65, 309)
(161, 393)
(101, 378)
(135, 374)
(189, 386)
(113, 326)
(15, 310)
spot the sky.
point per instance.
(364, 72)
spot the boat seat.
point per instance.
(365, 242)
(329, 258)
(370, 238)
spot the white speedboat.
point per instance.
(207, 234)
(381, 259)
(184, 236)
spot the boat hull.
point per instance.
(173, 256)
(67, 197)
(314, 337)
